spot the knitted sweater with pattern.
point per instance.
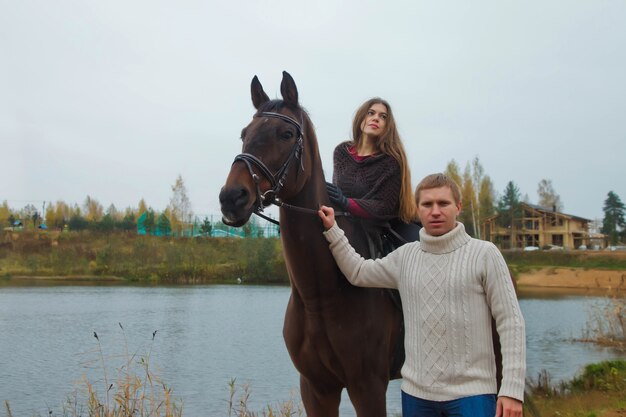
(450, 286)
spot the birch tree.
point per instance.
(180, 206)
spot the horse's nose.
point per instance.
(233, 198)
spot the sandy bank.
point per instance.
(573, 278)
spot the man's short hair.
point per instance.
(438, 180)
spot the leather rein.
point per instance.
(277, 180)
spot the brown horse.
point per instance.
(338, 336)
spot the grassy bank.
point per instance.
(200, 260)
(520, 261)
(141, 258)
(600, 391)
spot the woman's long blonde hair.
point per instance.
(389, 143)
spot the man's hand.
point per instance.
(327, 214)
(508, 407)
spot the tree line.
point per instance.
(91, 215)
(480, 201)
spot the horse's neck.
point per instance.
(309, 261)
(313, 192)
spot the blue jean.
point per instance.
(474, 406)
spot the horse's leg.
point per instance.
(319, 403)
(369, 397)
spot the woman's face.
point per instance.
(375, 120)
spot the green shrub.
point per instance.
(603, 376)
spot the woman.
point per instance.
(371, 175)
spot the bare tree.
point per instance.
(548, 197)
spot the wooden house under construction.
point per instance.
(538, 227)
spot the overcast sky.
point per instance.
(115, 99)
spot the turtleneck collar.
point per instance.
(449, 242)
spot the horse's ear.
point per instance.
(288, 90)
(258, 95)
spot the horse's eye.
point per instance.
(287, 134)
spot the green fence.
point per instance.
(211, 225)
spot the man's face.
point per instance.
(437, 210)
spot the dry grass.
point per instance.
(599, 391)
(584, 404)
(137, 391)
(238, 404)
(606, 325)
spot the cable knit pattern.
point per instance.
(434, 333)
(455, 284)
(373, 183)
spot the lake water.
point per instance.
(207, 335)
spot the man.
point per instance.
(450, 285)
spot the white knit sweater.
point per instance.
(450, 287)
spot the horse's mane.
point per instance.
(272, 106)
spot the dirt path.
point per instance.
(574, 278)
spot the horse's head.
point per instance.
(273, 161)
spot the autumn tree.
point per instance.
(142, 207)
(180, 206)
(5, 212)
(486, 199)
(613, 221)
(468, 215)
(62, 215)
(548, 197)
(477, 194)
(454, 172)
(48, 216)
(93, 210)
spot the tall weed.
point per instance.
(607, 323)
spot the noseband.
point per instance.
(276, 180)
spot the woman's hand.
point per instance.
(327, 214)
(336, 196)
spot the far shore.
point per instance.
(547, 277)
(68, 277)
(575, 278)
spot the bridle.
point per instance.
(277, 180)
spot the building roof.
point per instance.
(549, 210)
(543, 210)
